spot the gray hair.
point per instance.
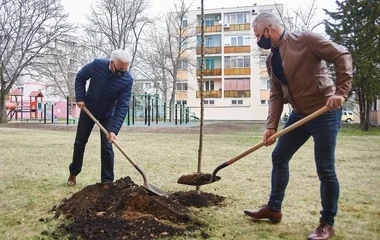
(121, 55)
(263, 20)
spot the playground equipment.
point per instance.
(199, 179)
(17, 107)
(146, 108)
(149, 108)
(146, 185)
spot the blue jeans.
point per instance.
(85, 126)
(324, 130)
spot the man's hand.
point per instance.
(111, 137)
(80, 104)
(267, 136)
(334, 102)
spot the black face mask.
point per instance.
(264, 42)
(119, 73)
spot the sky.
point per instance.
(78, 8)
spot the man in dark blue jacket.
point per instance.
(107, 98)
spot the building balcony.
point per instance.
(237, 49)
(210, 94)
(237, 71)
(237, 93)
(210, 50)
(210, 72)
(209, 29)
(238, 27)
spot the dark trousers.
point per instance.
(324, 130)
(85, 126)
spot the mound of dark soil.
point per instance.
(194, 199)
(124, 210)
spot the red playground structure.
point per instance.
(18, 108)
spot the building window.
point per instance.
(184, 23)
(72, 62)
(237, 88)
(209, 42)
(209, 22)
(264, 83)
(264, 102)
(21, 89)
(266, 10)
(183, 64)
(181, 102)
(209, 102)
(237, 41)
(181, 86)
(209, 85)
(236, 102)
(236, 18)
(237, 62)
(71, 44)
(237, 84)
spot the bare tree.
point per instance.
(163, 54)
(302, 18)
(201, 86)
(116, 24)
(58, 69)
(27, 27)
(153, 62)
(179, 34)
(91, 46)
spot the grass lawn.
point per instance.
(34, 169)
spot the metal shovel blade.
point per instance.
(155, 190)
(197, 179)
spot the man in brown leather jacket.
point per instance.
(299, 76)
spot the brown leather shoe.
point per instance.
(265, 213)
(322, 232)
(71, 181)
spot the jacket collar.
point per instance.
(282, 39)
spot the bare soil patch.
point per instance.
(124, 210)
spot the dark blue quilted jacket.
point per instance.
(107, 95)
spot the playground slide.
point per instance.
(48, 116)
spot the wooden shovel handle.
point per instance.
(280, 133)
(106, 133)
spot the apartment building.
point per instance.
(236, 83)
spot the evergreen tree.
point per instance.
(356, 25)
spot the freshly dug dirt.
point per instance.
(124, 210)
(197, 179)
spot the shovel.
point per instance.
(198, 179)
(146, 185)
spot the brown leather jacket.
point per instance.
(303, 57)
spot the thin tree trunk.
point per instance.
(200, 149)
(3, 111)
(368, 108)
